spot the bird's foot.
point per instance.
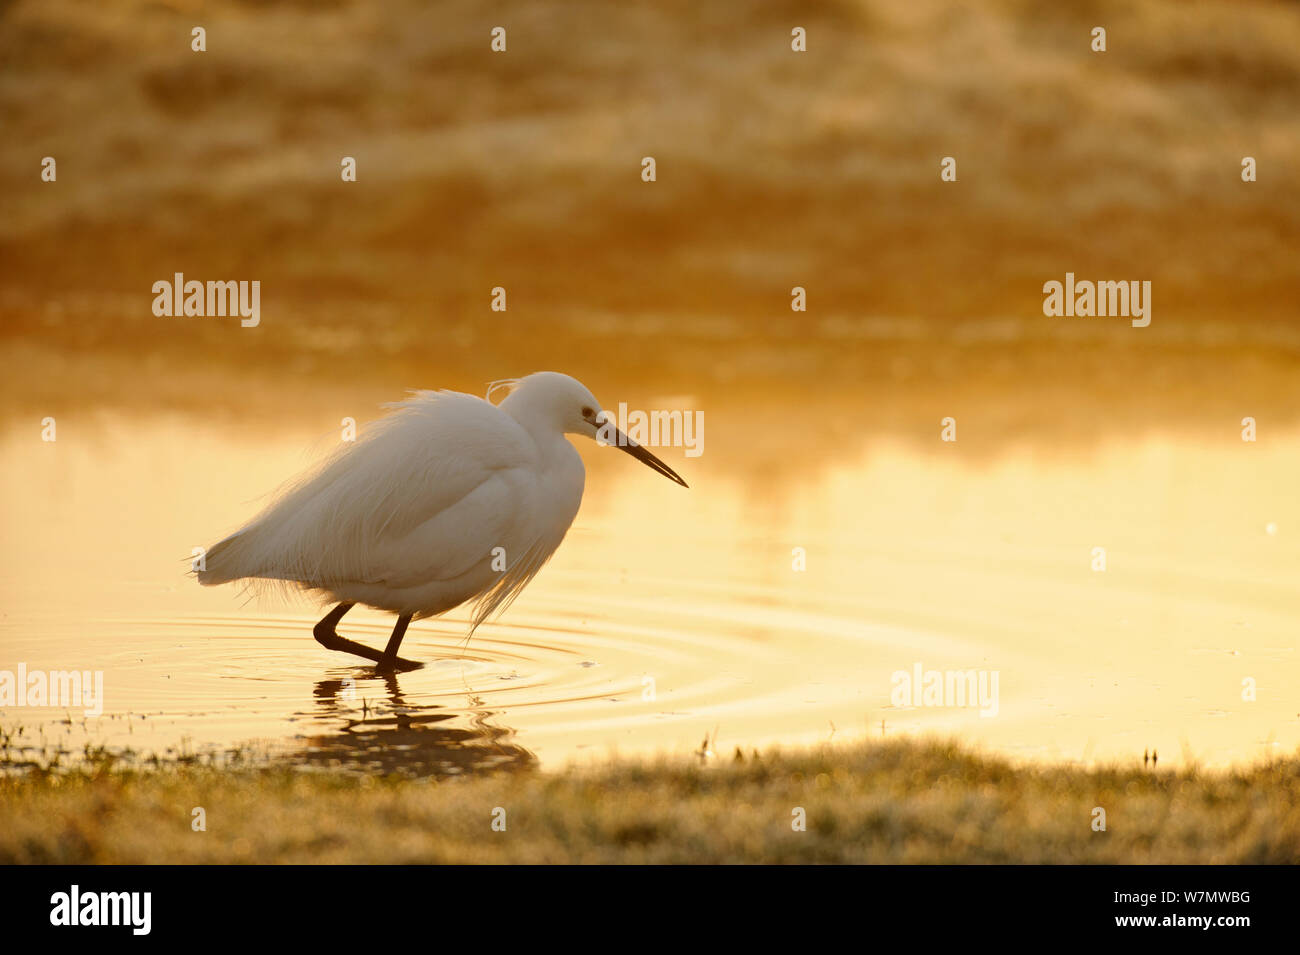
(396, 665)
(383, 663)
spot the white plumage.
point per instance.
(410, 517)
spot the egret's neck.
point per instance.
(545, 432)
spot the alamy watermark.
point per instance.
(66, 689)
(130, 909)
(1087, 299)
(945, 688)
(211, 299)
(658, 429)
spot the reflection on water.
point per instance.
(669, 617)
(392, 735)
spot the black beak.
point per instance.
(625, 443)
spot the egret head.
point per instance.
(557, 401)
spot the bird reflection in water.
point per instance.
(393, 736)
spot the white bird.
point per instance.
(410, 517)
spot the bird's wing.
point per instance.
(497, 513)
(359, 516)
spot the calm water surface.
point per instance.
(672, 617)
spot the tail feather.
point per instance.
(233, 558)
(216, 564)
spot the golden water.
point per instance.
(673, 616)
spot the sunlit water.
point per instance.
(675, 620)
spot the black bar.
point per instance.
(335, 903)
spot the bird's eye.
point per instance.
(588, 413)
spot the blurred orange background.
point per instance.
(775, 169)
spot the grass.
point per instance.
(882, 802)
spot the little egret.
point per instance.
(448, 498)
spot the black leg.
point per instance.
(391, 661)
(328, 638)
